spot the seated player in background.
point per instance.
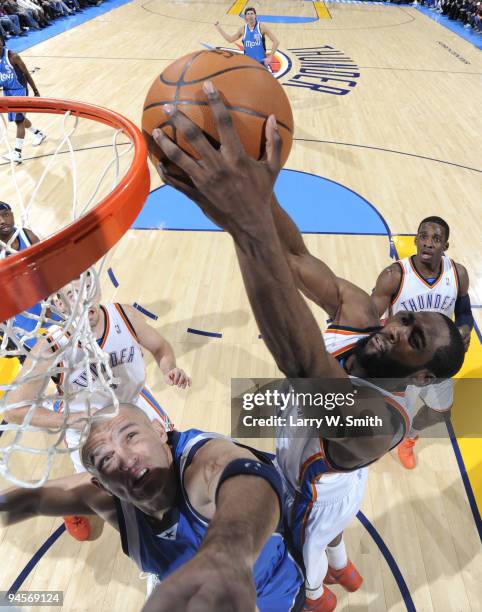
(188, 501)
(122, 333)
(253, 35)
(14, 76)
(428, 281)
(236, 192)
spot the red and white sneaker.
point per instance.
(348, 577)
(325, 603)
(406, 454)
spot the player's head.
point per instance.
(66, 299)
(129, 457)
(419, 346)
(432, 240)
(6, 221)
(250, 15)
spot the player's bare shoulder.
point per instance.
(463, 278)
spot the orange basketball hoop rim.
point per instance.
(34, 273)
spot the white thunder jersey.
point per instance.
(120, 342)
(304, 460)
(417, 294)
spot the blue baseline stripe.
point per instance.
(392, 564)
(36, 558)
(112, 277)
(144, 311)
(200, 332)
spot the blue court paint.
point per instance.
(36, 558)
(144, 311)
(285, 19)
(112, 277)
(454, 26)
(324, 207)
(392, 564)
(62, 24)
(200, 332)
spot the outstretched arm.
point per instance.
(35, 378)
(18, 63)
(344, 302)
(228, 37)
(241, 497)
(386, 287)
(150, 339)
(235, 191)
(72, 495)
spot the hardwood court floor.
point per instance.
(407, 138)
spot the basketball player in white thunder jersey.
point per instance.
(122, 333)
(275, 264)
(427, 281)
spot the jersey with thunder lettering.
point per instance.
(418, 294)
(305, 459)
(254, 43)
(119, 341)
(164, 548)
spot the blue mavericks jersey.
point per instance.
(254, 43)
(10, 78)
(21, 320)
(161, 551)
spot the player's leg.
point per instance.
(436, 408)
(38, 135)
(81, 528)
(340, 569)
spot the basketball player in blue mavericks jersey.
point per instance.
(188, 501)
(253, 35)
(22, 239)
(14, 77)
(427, 281)
(276, 265)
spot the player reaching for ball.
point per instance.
(235, 191)
(253, 36)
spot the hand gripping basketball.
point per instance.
(232, 188)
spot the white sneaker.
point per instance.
(14, 156)
(38, 138)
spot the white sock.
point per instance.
(337, 557)
(33, 130)
(18, 144)
(315, 589)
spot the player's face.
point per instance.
(6, 224)
(66, 301)
(431, 243)
(250, 17)
(404, 346)
(132, 460)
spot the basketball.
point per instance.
(250, 92)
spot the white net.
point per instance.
(45, 347)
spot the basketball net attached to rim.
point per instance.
(51, 285)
